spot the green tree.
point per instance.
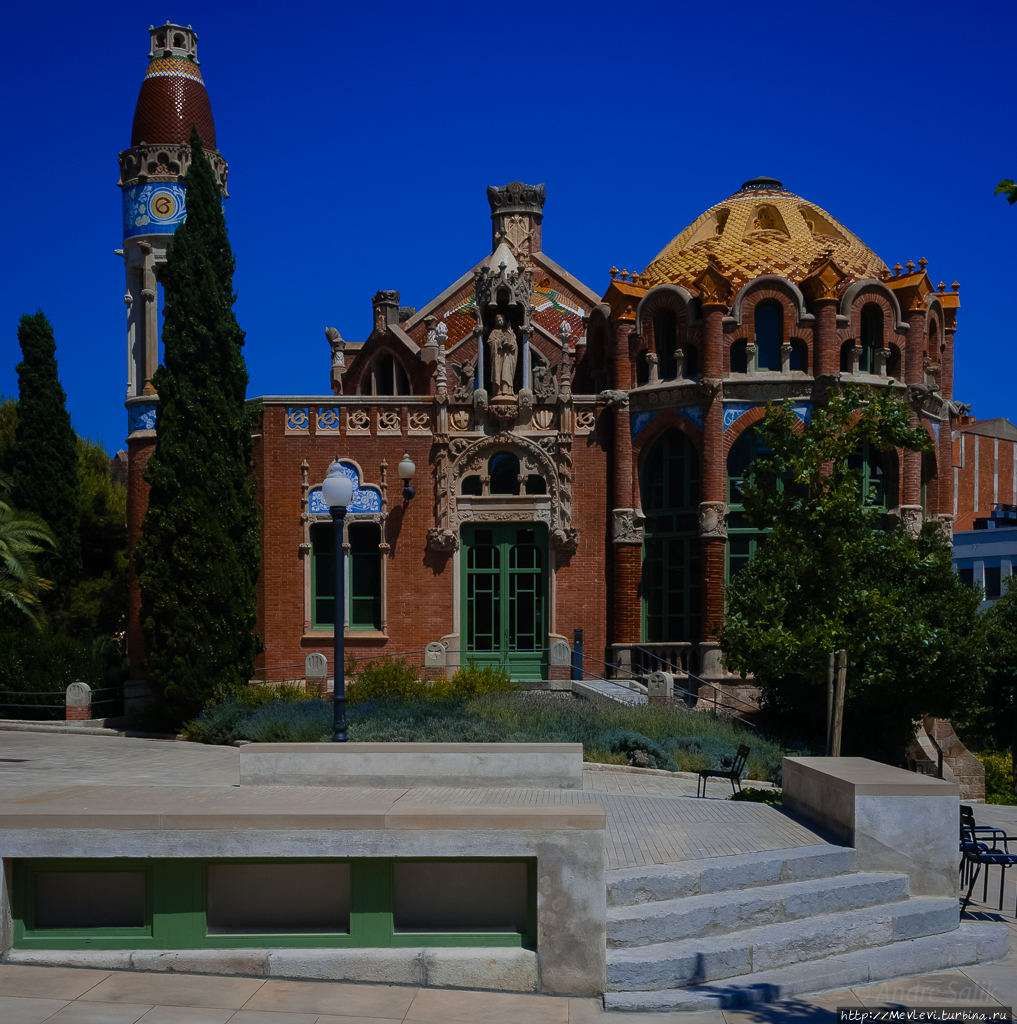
(44, 458)
(199, 555)
(23, 536)
(997, 717)
(829, 577)
(1007, 188)
(97, 602)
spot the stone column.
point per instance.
(713, 474)
(825, 348)
(149, 317)
(626, 520)
(914, 373)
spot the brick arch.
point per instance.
(746, 420)
(361, 369)
(768, 286)
(861, 294)
(664, 421)
(664, 296)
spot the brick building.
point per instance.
(577, 456)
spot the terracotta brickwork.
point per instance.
(985, 469)
(139, 450)
(676, 350)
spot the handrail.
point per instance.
(705, 682)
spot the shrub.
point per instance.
(627, 742)
(755, 795)
(386, 680)
(35, 670)
(604, 757)
(473, 681)
(281, 721)
(998, 778)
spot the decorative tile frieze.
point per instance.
(298, 420)
(328, 419)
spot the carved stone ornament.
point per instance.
(627, 526)
(545, 383)
(504, 409)
(338, 346)
(466, 372)
(445, 540)
(911, 519)
(944, 523)
(564, 540)
(713, 519)
(615, 399)
(710, 387)
(550, 460)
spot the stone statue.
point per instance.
(504, 352)
(335, 340)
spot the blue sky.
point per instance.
(361, 139)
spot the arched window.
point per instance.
(873, 480)
(665, 334)
(363, 576)
(743, 539)
(799, 356)
(388, 377)
(504, 472)
(769, 333)
(691, 361)
(672, 570)
(893, 365)
(929, 480)
(739, 357)
(847, 356)
(933, 340)
(871, 336)
(642, 369)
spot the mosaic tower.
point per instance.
(172, 99)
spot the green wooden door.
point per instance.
(504, 597)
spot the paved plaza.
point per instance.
(650, 819)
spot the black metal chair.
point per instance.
(983, 846)
(734, 773)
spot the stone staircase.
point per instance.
(732, 931)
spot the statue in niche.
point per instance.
(504, 352)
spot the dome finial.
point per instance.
(762, 182)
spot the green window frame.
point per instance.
(671, 585)
(176, 901)
(768, 334)
(743, 539)
(363, 576)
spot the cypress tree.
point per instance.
(199, 555)
(44, 458)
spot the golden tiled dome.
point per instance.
(763, 229)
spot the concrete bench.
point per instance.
(895, 819)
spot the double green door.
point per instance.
(505, 597)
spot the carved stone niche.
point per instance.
(713, 519)
(627, 526)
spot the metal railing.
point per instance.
(116, 699)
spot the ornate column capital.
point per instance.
(627, 526)
(713, 519)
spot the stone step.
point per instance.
(969, 944)
(723, 912)
(631, 886)
(697, 961)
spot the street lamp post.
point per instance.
(337, 490)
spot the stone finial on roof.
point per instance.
(516, 198)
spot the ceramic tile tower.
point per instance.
(172, 99)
